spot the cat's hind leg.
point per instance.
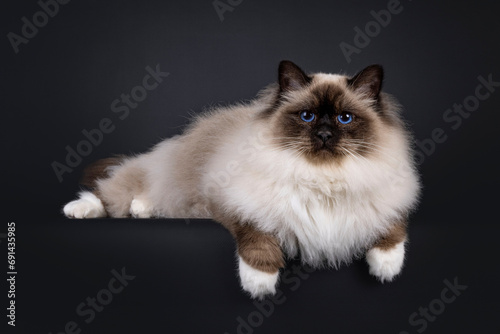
(140, 207)
(87, 205)
(124, 192)
(118, 190)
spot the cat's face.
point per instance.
(329, 117)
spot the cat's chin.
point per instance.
(324, 155)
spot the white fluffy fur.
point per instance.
(86, 206)
(330, 213)
(386, 264)
(140, 209)
(256, 282)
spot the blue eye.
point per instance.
(345, 118)
(307, 116)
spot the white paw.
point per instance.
(386, 264)
(257, 283)
(140, 209)
(87, 206)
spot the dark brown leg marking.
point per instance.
(258, 249)
(394, 237)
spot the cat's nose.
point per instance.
(324, 135)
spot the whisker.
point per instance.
(376, 148)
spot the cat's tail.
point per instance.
(99, 169)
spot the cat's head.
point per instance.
(328, 117)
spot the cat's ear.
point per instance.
(291, 77)
(368, 82)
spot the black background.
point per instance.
(64, 80)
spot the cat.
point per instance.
(318, 166)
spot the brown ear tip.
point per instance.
(375, 67)
(374, 70)
(286, 63)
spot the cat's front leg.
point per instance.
(259, 258)
(386, 257)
